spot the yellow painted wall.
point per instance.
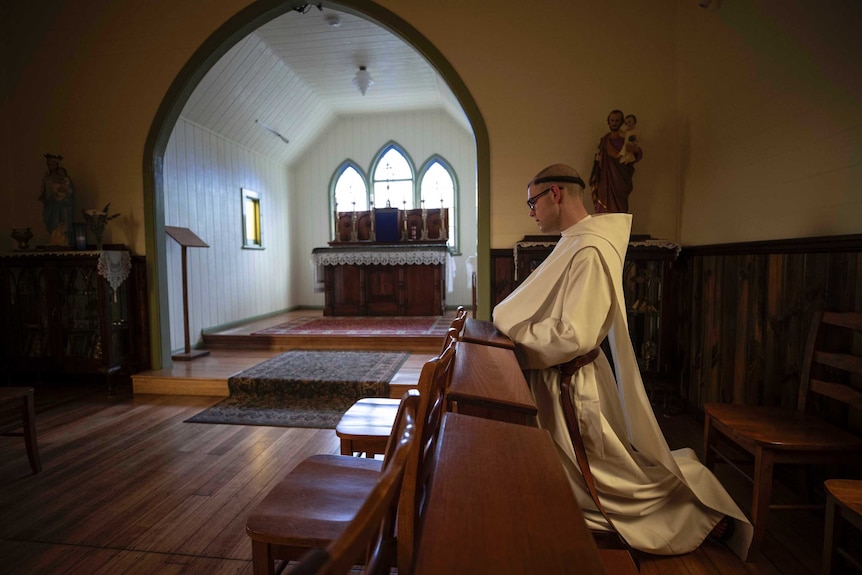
(749, 110)
(771, 121)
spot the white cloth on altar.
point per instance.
(661, 502)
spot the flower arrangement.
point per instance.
(96, 222)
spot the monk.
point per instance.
(611, 179)
(659, 501)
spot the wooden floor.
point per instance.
(128, 487)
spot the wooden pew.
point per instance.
(499, 502)
(484, 332)
(488, 382)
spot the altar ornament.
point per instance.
(424, 222)
(444, 225)
(96, 222)
(390, 225)
(336, 236)
(23, 237)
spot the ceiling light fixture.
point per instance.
(363, 80)
(272, 131)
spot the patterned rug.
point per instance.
(304, 388)
(361, 325)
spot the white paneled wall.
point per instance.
(203, 177)
(204, 173)
(421, 134)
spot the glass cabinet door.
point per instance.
(28, 313)
(642, 282)
(80, 327)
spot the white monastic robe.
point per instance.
(660, 501)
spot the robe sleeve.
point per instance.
(573, 319)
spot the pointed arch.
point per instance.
(349, 184)
(392, 177)
(439, 173)
(217, 45)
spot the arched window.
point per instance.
(437, 188)
(392, 180)
(349, 190)
(393, 183)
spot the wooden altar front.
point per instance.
(384, 280)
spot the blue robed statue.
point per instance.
(58, 198)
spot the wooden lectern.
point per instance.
(187, 239)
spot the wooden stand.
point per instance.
(187, 239)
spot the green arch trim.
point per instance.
(213, 48)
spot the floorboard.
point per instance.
(129, 487)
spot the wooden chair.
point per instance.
(843, 506)
(313, 504)
(17, 410)
(775, 435)
(366, 426)
(411, 504)
(371, 535)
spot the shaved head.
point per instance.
(558, 173)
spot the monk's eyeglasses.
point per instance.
(531, 203)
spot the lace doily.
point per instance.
(381, 257)
(114, 266)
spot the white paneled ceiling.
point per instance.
(293, 76)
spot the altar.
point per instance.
(383, 280)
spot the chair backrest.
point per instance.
(371, 534)
(456, 328)
(833, 359)
(433, 384)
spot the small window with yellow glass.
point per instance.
(252, 237)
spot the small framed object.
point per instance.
(252, 234)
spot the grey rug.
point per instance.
(302, 388)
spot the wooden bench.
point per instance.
(499, 502)
(488, 382)
(17, 410)
(484, 332)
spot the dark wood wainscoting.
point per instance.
(744, 311)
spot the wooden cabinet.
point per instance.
(383, 281)
(61, 317)
(649, 296)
